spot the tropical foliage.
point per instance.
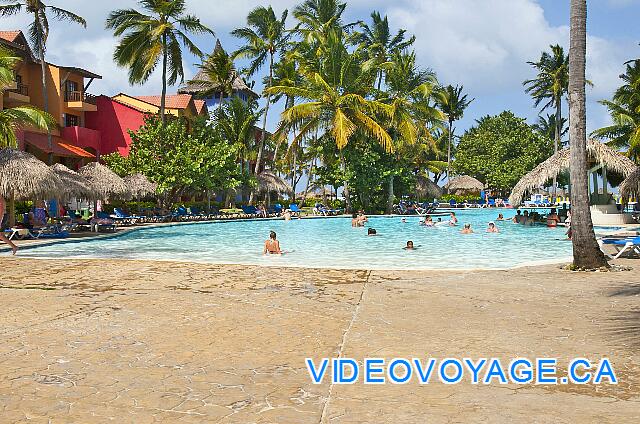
(501, 149)
(181, 161)
(624, 108)
(155, 36)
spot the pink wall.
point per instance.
(113, 120)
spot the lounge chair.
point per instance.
(118, 214)
(295, 210)
(49, 231)
(623, 246)
(249, 211)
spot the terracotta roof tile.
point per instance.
(200, 104)
(173, 101)
(9, 35)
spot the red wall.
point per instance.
(114, 120)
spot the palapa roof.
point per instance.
(464, 183)
(104, 181)
(630, 187)
(268, 181)
(426, 187)
(237, 83)
(139, 186)
(23, 176)
(73, 184)
(597, 152)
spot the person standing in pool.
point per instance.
(355, 221)
(3, 238)
(272, 245)
(453, 221)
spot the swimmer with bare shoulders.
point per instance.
(272, 246)
(467, 229)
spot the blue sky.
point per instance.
(482, 44)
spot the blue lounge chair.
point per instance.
(295, 210)
(631, 244)
(250, 210)
(51, 231)
(453, 203)
(131, 219)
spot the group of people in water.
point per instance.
(359, 219)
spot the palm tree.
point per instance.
(550, 86)
(380, 44)
(624, 109)
(586, 252)
(546, 126)
(39, 35)
(453, 104)
(14, 119)
(155, 36)
(409, 92)
(218, 73)
(264, 36)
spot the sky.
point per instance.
(483, 45)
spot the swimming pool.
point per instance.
(333, 243)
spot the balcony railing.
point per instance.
(79, 96)
(22, 89)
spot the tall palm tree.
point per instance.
(453, 104)
(218, 73)
(624, 108)
(409, 92)
(39, 35)
(586, 252)
(380, 44)
(153, 36)
(17, 118)
(264, 36)
(550, 86)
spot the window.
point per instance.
(71, 120)
(72, 86)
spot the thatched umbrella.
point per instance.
(73, 184)
(464, 184)
(139, 186)
(630, 187)
(23, 176)
(268, 182)
(104, 181)
(598, 153)
(427, 188)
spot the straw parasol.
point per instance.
(104, 181)
(268, 182)
(139, 186)
(597, 153)
(464, 184)
(630, 187)
(73, 184)
(427, 188)
(23, 176)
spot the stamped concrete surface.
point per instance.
(90, 341)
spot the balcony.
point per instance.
(17, 95)
(80, 101)
(81, 137)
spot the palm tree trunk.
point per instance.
(586, 253)
(45, 94)
(309, 178)
(347, 198)
(164, 78)
(449, 152)
(221, 99)
(390, 195)
(264, 127)
(556, 144)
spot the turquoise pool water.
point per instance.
(333, 243)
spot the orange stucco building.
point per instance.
(72, 143)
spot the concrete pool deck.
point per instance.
(93, 341)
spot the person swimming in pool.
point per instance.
(500, 217)
(409, 245)
(372, 232)
(467, 229)
(492, 228)
(272, 245)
